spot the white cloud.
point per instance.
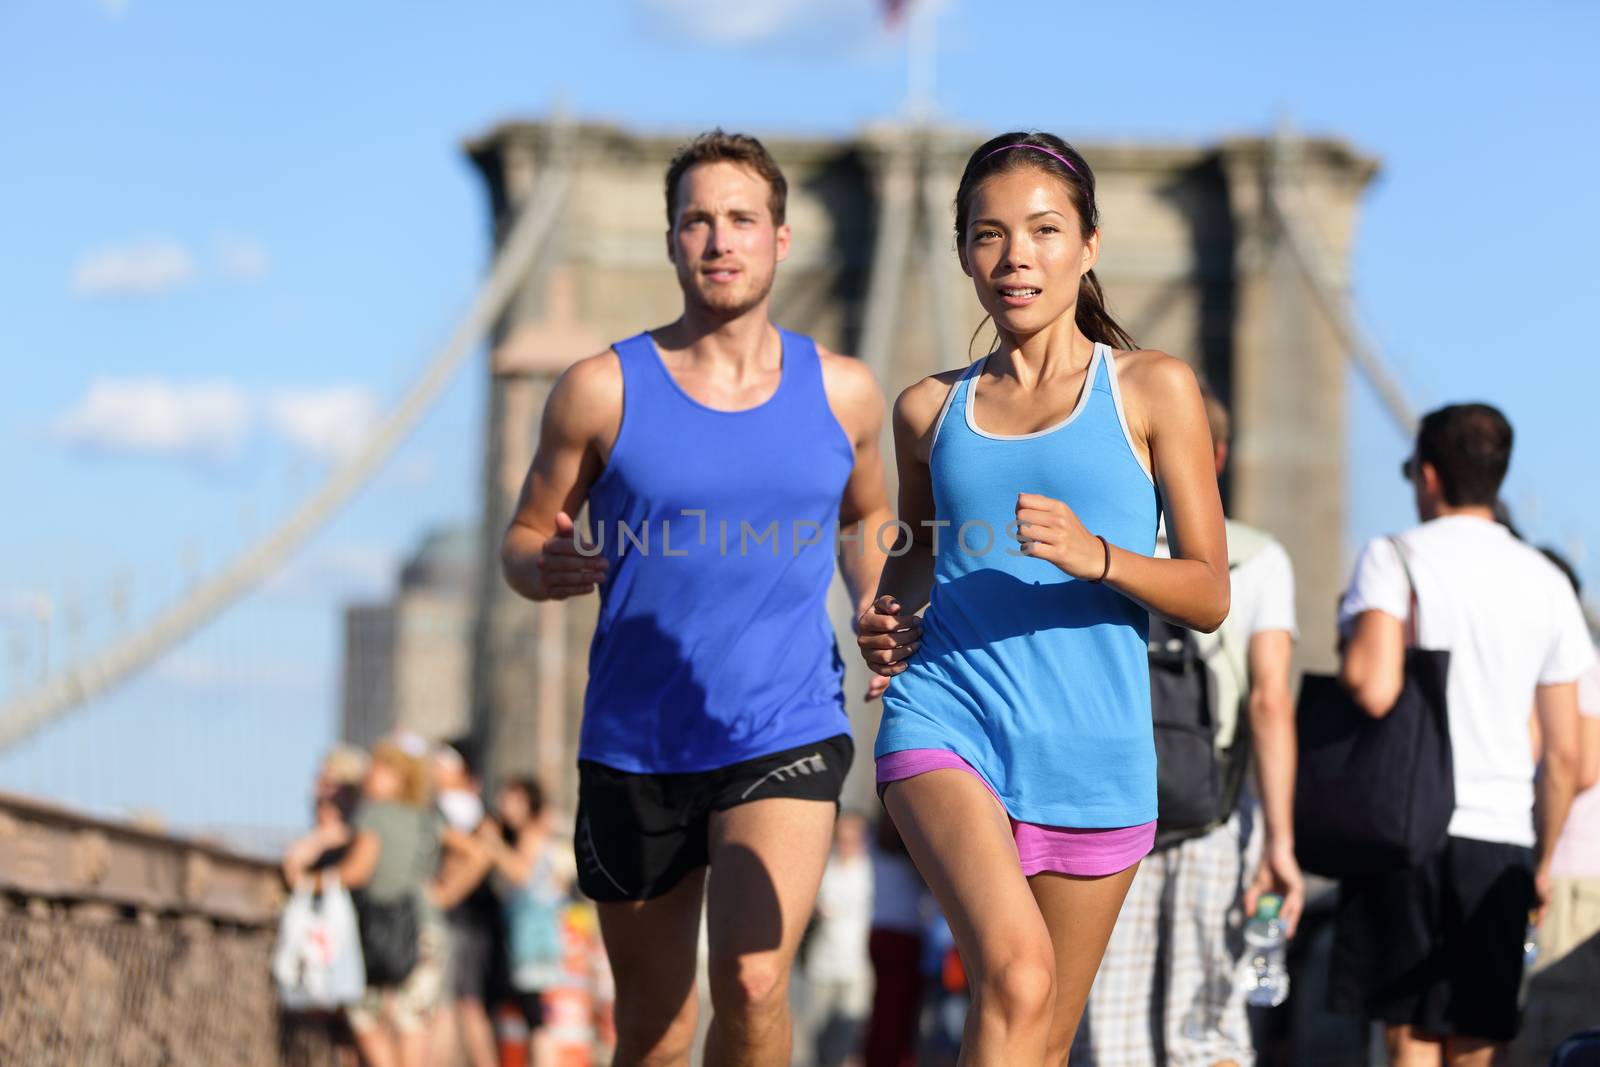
(212, 421)
(241, 258)
(160, 265)
(208, 420)
(330, 424)
(733, 21)
(726, 21)
(143, 268)
(17, 607)
(113, 8)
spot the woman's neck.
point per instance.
(1058, 350)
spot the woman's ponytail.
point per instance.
(1094, 320)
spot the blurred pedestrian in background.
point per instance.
(837, 968)
(1436, 951)
(899, 901)
(1563, 994)
(392, 864)
(471, 914)
(536, 877)
(335, 796)
(1168, 989)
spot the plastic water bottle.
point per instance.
(1266, 979)
(1530, 945)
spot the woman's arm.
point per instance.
(298, 856)
(1166, 412)
(890, 631)
(361, 861)
(466, 865)
(514, 864)
(1588, 752)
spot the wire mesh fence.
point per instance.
(98, 987)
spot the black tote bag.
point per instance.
(390, 934)
(1374, 795)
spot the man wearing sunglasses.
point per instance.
(1436, 951)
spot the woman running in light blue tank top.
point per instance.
(1016, 754)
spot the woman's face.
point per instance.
(383, 782)
(328, 813)
(513, 807)
(1024, 249)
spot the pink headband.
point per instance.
(1037, 148)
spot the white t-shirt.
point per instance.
(1262, 599)
(1577, 853)
(838, 949)
(1510, 622)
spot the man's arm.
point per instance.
(1557, 710)
(581, 419)
(1272, 741)
(1373, 661)
(858, 404)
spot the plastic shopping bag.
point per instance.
(317, 961)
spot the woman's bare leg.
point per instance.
(1080, 913)
(960, 839)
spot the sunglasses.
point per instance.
(1408, 468)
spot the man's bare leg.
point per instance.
(1409, 1048)
(767, 858)
(652, 946)
(1470, 1052)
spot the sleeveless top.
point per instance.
(1038, 680)
(713, 644)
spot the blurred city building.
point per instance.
(407, 660)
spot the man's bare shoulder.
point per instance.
(848, 380)
(586, 400)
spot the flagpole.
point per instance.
(921, 50)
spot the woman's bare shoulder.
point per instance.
(920, 403)
(1153, 376)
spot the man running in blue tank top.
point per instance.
(718, 455)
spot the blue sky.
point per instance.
(233, 232)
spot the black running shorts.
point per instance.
(638, 835)
(1437, 946)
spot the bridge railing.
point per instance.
(121, 946)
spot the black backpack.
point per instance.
(1197, 787)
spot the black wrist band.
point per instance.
(1107, 568)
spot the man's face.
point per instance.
(449, 774)
(1425, 487)
(850, 836)
(724, 243)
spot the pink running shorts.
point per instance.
(1059, 849)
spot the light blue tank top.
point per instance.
(713, 645)
(1036, 679)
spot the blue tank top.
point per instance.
(1036, 679)
(713, 644)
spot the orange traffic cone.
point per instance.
(511, 1033)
